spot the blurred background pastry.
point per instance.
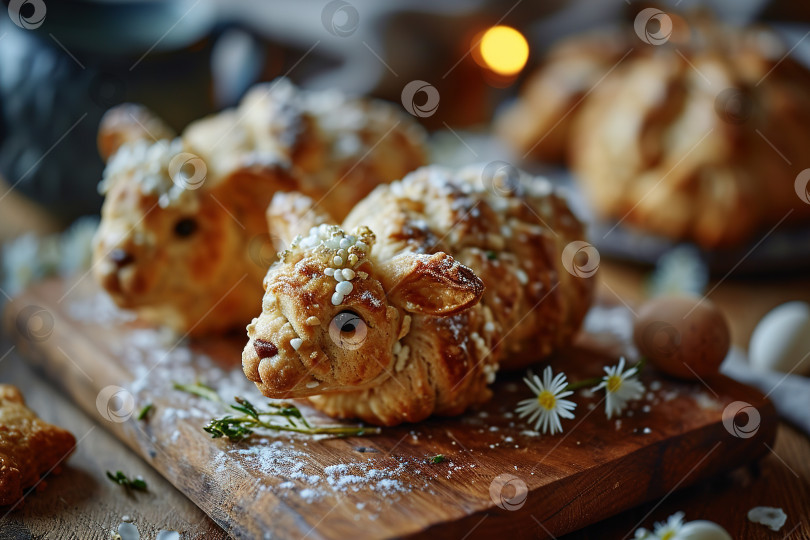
(666, 136)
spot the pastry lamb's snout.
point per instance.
(271, 359)
(119, 261)
(265, 349)
(121, 257)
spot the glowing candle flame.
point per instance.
(504, 50)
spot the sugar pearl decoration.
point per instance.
(296, 343)
(312, 384)
(343, 276)
(346, 251)
(344, 287)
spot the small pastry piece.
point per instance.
(29, 447)
(183, 239)
(410, 307)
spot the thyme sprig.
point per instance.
(145, 411)
(122, 479)
(239, 428)
(200, 390)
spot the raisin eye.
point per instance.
(185, 227)
(348, 330)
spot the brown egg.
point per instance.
(682, 336)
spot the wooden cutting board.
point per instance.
(385, 485)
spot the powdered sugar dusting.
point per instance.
(325, 472)
(156, 359)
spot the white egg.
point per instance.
(781, 340)
(703, 530)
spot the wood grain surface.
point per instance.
(595, 470)
(781, 479)
(81, 502)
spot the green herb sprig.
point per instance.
(137, 484)
(239, 428)
(199, 390)
(145, 411)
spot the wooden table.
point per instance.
(83, 503)
(782, 479)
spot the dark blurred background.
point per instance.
(64, 63)
(73, 59)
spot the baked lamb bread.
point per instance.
(697, 139)
(183, 238)
(409, 308)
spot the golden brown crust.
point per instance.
(462, 277)
(697, 168)
(29, 447)
(699, 140)
(333, 148)
(511, 240)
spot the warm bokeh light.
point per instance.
(504, 50)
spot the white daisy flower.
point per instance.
(547, 408)
(620, 386)
(669, 529)
(675, 529)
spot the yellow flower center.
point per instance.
(614, 382)
(547, 400)
(668, 535)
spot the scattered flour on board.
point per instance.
(156, 359)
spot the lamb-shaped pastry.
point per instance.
(29, 446)
(409, 308)
(183, 238)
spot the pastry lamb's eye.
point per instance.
(348, 330)
(185, 227)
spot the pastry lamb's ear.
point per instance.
(129, 122)
(431, 284)
(291, 214)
